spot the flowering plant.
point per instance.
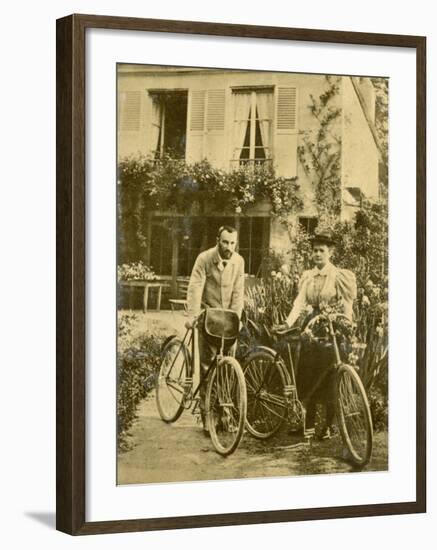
(135, 271)
(172, 184)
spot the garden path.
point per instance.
(180, 452)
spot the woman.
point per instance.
(323, 285)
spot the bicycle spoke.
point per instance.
(254, 380)
(267, 418)
(175, 392)
(261, 421)
(272, 411)
(270, 373)
(225, 407)
(265, 387)
(230, 383)
(255, 403)
(273, 399)
(249, 386)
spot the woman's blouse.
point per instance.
(324, 285)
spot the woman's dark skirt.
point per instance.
(315, 363)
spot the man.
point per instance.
(217, 280)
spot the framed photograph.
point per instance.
(240, 274)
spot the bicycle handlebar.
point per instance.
(194, 322)
(285, 331)
(331, 316)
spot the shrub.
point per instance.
(379, 409)
(137, 367)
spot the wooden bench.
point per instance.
(181, 300)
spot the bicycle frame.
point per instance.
(220, 392)
(274, 398)
(290, 390)
(191, 341)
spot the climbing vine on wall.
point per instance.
(319, 152)
(381, 86)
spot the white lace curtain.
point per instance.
(157, 106)
(242, 105)
(243, 114)
(264, 105)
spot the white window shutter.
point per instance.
(130, 110)
(215, 128)
(287, 109)
(197, 117)
(215, 120)
(206, 128)
(196, 125)
(285, 148)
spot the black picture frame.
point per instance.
(71, 278)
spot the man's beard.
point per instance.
(225, 254)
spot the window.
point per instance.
(253, 242)
(175, 242)
(129, 105)
(308, 224)
(169, 126)
(160, 243)
(253, 122)
(197, 233)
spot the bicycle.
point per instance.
(225, 401)
(272, 393)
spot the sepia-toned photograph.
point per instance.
(252, 270)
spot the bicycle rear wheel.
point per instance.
(266, 377)
(173, 372)
(226, 405)
(353, 415)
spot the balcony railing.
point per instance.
(235, 164)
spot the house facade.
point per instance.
(234, 118)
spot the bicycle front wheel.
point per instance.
(226, 405)
(173, 372)
(353, 415)
(266, 378)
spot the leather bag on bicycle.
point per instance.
(221, 324)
